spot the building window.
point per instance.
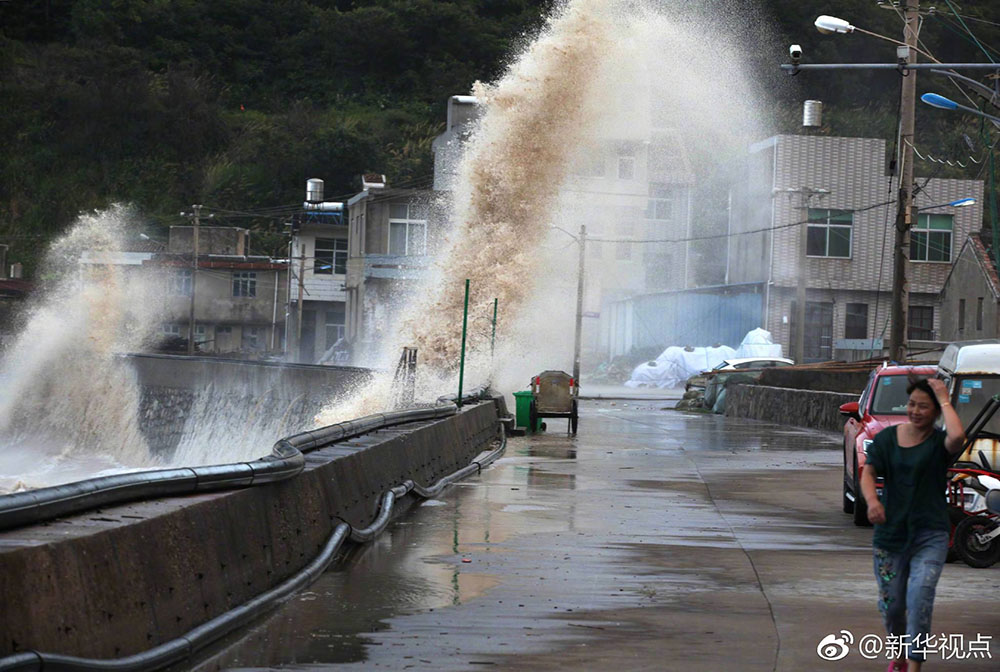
(856, 321)
(170, 329)
(979, 314)
(407, 229)
(930, 238)
(626, 164)
(254, 337)
(180, 282)
(829, 233)
(331, 256)
(661, 203)
(921, 323)
(245, 284)
(961, 314)
(335, 320)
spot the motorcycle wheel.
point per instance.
(970, 549)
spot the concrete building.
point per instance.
(970, 300)
(239, 300)
(318, 273)
(390, 238)
(837, 192)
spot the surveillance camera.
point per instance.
(795, 53)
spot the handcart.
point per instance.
(554, 395)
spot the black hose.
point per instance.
(285, 461)
(198, 638)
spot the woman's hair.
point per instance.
(922, 385)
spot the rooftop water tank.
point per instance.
(314, 190)
(812, 114)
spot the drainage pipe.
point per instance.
(194, 640)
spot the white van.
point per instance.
(972, 371)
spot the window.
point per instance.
(331, 256)
(930, 238)
(245, 284)
(407, 229)
(334, 325)
(626, 162)
(979, 314)
(961, 314)
(254, 337)
(170, 329)
(661, 203)
(856, 321)
(829, 233)
(921, 323)
(180, 282)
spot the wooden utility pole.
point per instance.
(194, 274)
(898, 340)
(302, 292)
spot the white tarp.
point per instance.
(758, 343)
(676, 364)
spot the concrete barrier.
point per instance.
(115, 582)
(173, 386)
(785, 406)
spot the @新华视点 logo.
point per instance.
(835, 646)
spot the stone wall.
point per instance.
(785, 406)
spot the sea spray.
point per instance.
(67, 391)
(508, 184)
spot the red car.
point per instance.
(882, 404)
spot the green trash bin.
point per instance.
(522, 401)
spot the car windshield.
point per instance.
(890, 395)
(970, 394)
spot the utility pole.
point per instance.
(579, 306)
(302, 282)
(898, 341)
(799, 346)
(194, 274)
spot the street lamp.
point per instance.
(960, 203)
(939, 101)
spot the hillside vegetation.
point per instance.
(165, 103)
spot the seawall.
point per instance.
(117, 581)
(785, 406)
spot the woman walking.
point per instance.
(911, 520)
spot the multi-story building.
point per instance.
(318, 272)
(390, 237)
(838, 193)
(239, 300)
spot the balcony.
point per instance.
(396, 266)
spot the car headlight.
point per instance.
(865, 444)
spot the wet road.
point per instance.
(655, 540)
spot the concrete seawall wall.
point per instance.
(785, 406)
(172, 386)
(118, 581)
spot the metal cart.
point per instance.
(554, 395)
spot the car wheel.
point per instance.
(970, 549)
(848, 503)
(860, 505)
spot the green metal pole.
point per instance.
(465, 324)
(493, 338)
